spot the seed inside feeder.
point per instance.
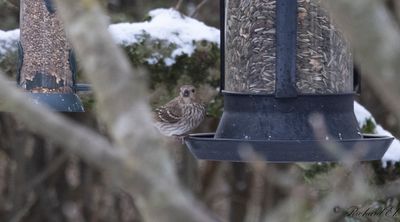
(323, 62)
(46, 64)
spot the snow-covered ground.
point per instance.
(171, 26)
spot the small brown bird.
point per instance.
(181, 115)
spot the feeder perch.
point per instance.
(46, 67)
(284, 62)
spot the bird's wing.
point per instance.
(169, 113)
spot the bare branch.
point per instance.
(178, 5)
(51, 169)
(81, 140)
(396, 5)
(122, 100)
(198, 7)
(19, 216)
(11, 4)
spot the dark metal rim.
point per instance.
(229, 93)
(204, 146)
(210, 137)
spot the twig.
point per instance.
(10, 4)
(319, 127)
(396, 9)
(207, 176)
(24, 211)
(390, 189)
(55, 164)
(198, 7)
(178, 5)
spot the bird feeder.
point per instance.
(47, 67)
(285, 61)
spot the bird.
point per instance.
(180, 115)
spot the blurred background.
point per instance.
(124, 10)
(39, 184)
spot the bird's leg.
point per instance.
(181, 138)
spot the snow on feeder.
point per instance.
(47, 68)
(285, 61)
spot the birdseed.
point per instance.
(46, 65)
(324, 62)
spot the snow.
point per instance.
(362, 115)
(8, 41)
(165, 25)
(169, 25)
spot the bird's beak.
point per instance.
(186, 93)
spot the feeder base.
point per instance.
(61, 102)
(249, 116)
(204, 146)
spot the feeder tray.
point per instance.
(207, 147)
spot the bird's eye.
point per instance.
(193, 90)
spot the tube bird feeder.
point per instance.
(284, 62)
(46, 67)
